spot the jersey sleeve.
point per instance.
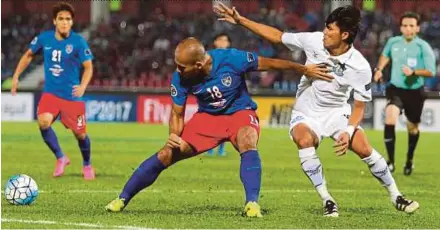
(428, 58)
(387, 49)
(295, 41)
(178, 92)
(36, 44)
(362, 86)
(244, 61)
(85, 54)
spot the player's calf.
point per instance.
(250, 168)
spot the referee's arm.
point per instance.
(428, 60)
(384, 59)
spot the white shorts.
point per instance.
(330, 123)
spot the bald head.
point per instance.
(189, 51)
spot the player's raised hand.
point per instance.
(341, 144)
(318, 72)
(226, 13)
(14, 86)
(378, 76)
(78, 91)
(174, 141)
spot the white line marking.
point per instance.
(90, 225)
(227, 191)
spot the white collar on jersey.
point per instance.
(343, 58)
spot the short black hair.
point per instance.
(410, 15)
(348, 19)
(62, 6)
(221, 35)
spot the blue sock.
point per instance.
(51, 140)
(144, 176)
(221, 149)
(84, 146)
(250, 174)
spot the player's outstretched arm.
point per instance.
(78, 90)
(232, 16)
(24, 62)
(313, 71)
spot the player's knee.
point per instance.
(80, 136)
(44, 123)
(391, 114)
(363, 151)
(413, 128)
(304, 142)
(247, 139)
(165, 155)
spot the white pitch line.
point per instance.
(89, 225)
(223, 191)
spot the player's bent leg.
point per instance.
(306, 140)
(84, 145)
(379, 169)
(391, 116)
(50, 138)
(147, 173)
(250, 169)
(413, 138)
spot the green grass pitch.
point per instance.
(205, 192)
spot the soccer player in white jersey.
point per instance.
(321, 109)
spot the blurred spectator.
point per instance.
(138, 51)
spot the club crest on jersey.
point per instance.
(338, 69)
(69, 48)
(227, 81)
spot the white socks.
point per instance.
(312, 167)
(379, 168)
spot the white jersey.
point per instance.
(351, 71)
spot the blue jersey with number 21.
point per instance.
(224, 91)
(63, 61)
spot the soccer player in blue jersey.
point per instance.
(66, 54)
(226, 113)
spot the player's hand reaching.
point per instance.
(174, 141)
(318, 72)
(341, 144)
(78, 91)
(407, 71)
(14, 86)
(227, 14)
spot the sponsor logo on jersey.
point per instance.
(218, 104)
(227, 81)
(69, 48)
(56, 70)
(173, 90)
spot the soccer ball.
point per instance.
(21, 189)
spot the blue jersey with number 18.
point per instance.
(63, 61)
(224, 91)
